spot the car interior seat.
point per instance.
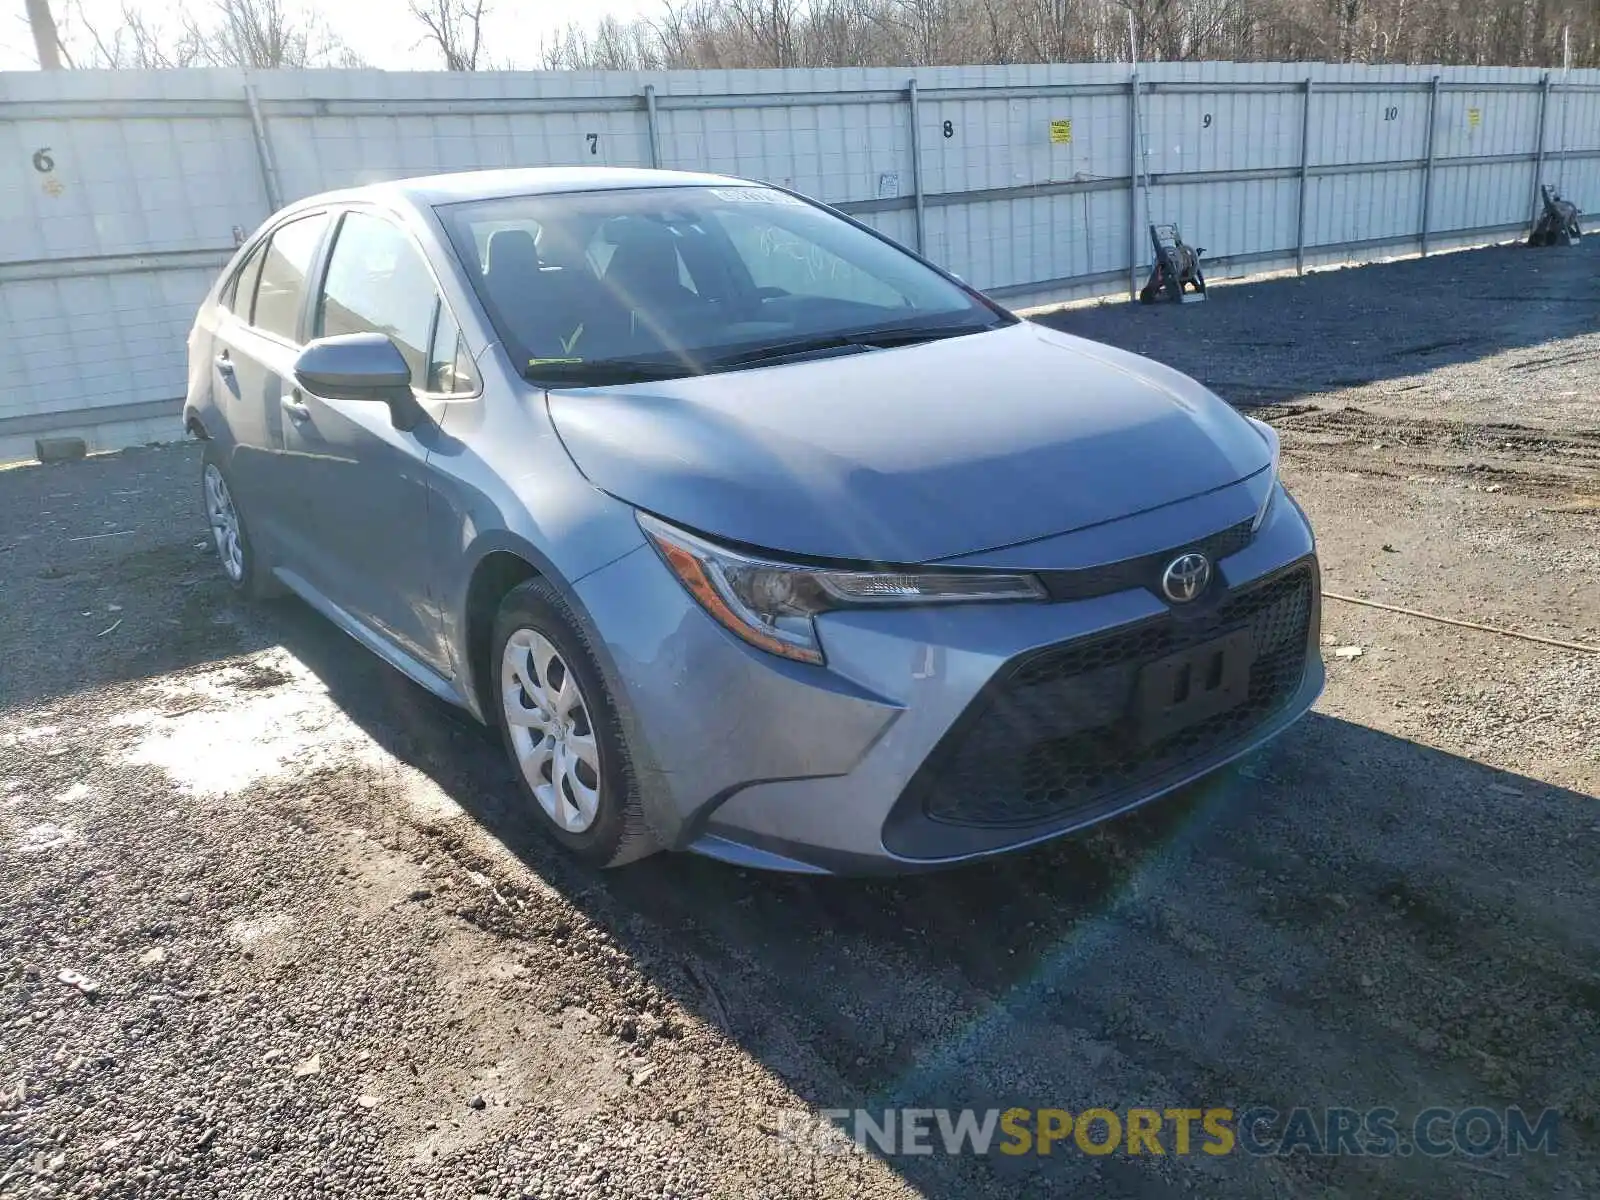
(645, 271)
(545, 306)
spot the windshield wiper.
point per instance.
(861, 339)
(579, 373)
(575, 372)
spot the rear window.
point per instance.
(282, 284)
(241, 290)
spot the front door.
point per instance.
(362, 503)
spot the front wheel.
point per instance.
(561, 730)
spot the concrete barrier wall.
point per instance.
(122, 192)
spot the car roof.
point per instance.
(426, 191)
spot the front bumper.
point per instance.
(874, 763)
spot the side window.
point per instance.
(779, 258)
(241, 289)
(283, 275)
(450, 369)
(377, 282)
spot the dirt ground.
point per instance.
(329, 956)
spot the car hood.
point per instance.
(915, 453)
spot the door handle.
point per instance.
(297, 412)
(224, 363)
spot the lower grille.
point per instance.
(1058, 734)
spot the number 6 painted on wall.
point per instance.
(42, 162)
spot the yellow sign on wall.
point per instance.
(1474, 117)
(1060, 132)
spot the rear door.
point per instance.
(362, 499)
(253, 352)
(243, 435)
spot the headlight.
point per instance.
(1270, 436)
(771, 604)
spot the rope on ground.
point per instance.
(1427, 616)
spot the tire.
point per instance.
(539, 652)
(247, 572)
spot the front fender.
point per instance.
(502, 484)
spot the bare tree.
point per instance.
(841, 33)
(768, 30)
(674, 34)
(222, 33)
(923, 28)
(46, 41)
(845, 33)
(254, 33)
(616, 45)
(139, 40)
(455, 27)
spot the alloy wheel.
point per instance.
(224, 518)
(551, 732)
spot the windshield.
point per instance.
(610, 286)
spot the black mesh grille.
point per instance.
(1144, 571)
(1060, 732)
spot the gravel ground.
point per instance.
(319, 952)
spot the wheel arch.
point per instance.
(500, 562)
(494, 575)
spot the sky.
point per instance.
(383, 32)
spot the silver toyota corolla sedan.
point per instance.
(754, 533)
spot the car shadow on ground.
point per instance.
(109, 576)
(1284, 338)
(1348, 918)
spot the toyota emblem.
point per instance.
(1186, 577)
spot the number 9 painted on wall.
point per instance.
(1205, 121)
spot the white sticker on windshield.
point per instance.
(754, 195)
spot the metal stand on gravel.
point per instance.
(1177, 267)
(1558, 223)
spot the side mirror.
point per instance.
(360, 366)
